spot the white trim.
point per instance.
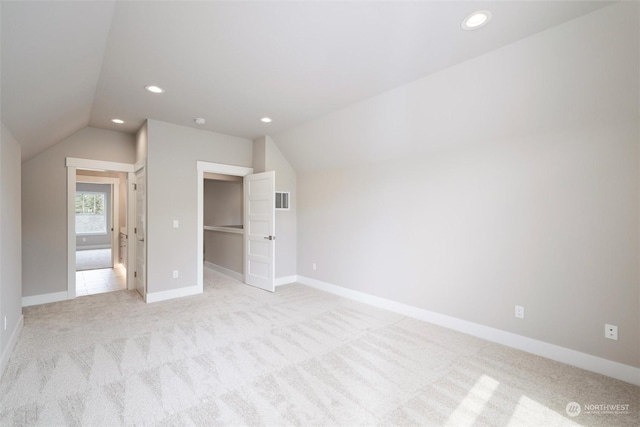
(45, 298)
(13, 339)
(285, 280)
(90, 179)
(202, 168)
(173, 293)
(224, 229)
(225, 271)
(131, 219)
(91, 247)
(99, 165)
(223, 169)
(71, 234)
(596, 364)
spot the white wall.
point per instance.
(172, 153)
(44, 204)
(512, 178)
(10, 247)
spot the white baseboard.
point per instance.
(6, 354)
(173, 293)
(44, 298)
(286, 280)
(596, 364)
(225, 271)
(92, 247)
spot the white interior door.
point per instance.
(259, 230)
(140, 233)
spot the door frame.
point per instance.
(134, 224)
(73, 164)
(202, 168)
(114, 209)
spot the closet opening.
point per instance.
(223, 224)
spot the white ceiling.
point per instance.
(67, 65)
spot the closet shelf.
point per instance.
(237, 229)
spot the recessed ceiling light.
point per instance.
(200, 121)
(476, 20)
(153, 89)
(265, 120)
(118, 121)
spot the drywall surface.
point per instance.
(44, 204)
(542, 212)
(172, 153)
(141, 143)
(222, 202)
(580, 72)
(10, 247)
(224, 249)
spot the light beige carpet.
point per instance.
(240, 356)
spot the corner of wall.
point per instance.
(259, 154)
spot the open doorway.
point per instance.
(221, 171)
(100, 221)
(223, 224)
(96, 272)
(258, 225)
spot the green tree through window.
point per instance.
(90, 213)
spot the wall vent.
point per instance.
(282, 200)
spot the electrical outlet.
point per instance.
(5, 323)
(175, 274)
(611, 332)
(176, 223)
(519, 312)
(314, 266)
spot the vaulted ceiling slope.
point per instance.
(67, 65)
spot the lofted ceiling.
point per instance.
(67, 65)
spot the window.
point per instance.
(91, 217)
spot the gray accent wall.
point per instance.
(172, 153)
(542, 213)
(11, 243)
(44, 204)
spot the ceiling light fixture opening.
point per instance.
(265, 120)
(154, 89)
(118, 121)
(476, 20)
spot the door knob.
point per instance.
(270, 237)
